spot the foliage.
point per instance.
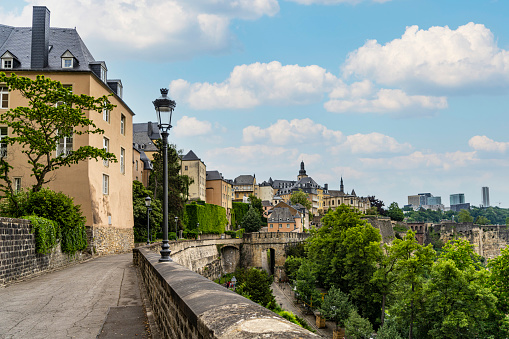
(495, 215)
(388, 331)
(345, 252)
(251, 221)
(499, 283)
(239, 210)
(294, 319)
(292, 265)
(45, 233)
(400, 229)
(464, 216)
(462, 253)
(296, 250)
(53, 206)
(305, 283)
(53, 112)
(395, 213)
(336, 306)
(357, 327)
(140, 214)
(482, 220)
(256, 284)
(299, 197)
(379, 204)
(212, 218)
(257, 204)
(178, 185)
(372, 211)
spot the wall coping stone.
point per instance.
(211, 309)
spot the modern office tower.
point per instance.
(485, 197)
(456, 199)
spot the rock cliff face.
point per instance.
(487, 240)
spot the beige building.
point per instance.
(243, 187)
(103, 189)
(194, 168)
(336, 198)
(219, 192)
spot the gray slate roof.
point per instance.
(244, 180)
(190, 156)
(18, 41)
(281, 215)
(149, 128)
(214, 175)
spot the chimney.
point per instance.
(149, 129)
(40, 37)
(326, 187)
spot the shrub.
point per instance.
(45, 232)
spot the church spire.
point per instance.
(341, 187)
(302, 172)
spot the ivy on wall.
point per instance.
(239, 209)
(211, 218)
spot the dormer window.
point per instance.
(68, 60)
(103, 73)
(8, 60)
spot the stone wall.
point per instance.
(189, 306)
(487, 240)
(110, 240)
(18, 258)
(384, 225)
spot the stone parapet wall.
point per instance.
(18, 258)
(110, 240)
(189, 306)
(384, 225)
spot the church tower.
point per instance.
(341, 186)
(302, 172)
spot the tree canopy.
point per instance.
(251, 221)
(53, 112)
(299, 197)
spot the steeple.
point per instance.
(341, 186)
(302, 172)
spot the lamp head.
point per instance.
(148, 201)
(164, 108)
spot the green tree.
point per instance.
(499, 283)
(305, 283)
(251, 221)
(299, 197)
(178, 185)
(464, 216)
(256, 203)
(388, 331)
(395, 213)
(507, 221)
(336, 306)
(292, 265)
(256, 284)
(462, 253)
(140, 213)
(379, 204)
(345, 252)
(53, 112)
(482, 220)
(357, 327)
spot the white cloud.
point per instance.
(285, 132)
(190, 126)
(440, 56)
(392, 101)
(373, 143)
(158, 29)
(483, 143)
(335, 2)
(420, 160)
(256, 84)
(253, 153)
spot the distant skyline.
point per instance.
(399, 97)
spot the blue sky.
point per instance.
(397, 96)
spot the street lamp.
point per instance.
(176, 228)
(164, 108)
(148, 201)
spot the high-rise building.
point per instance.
(456, 199)
(485, 197)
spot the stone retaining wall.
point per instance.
(189, 306)
(110, 240)
(18, 258)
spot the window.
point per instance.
(287, 225)
(67, 62)
(64, 146)
(3, 145)
(136, 164)
(4, 97)
(271, 225)
(103, 73)
(17, 184)
(106, 115)
(106, 147)
(122, 162)
(280, 225)
(122, 124)
(185, 168)
(6, 63)
(106, 184)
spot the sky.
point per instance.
(398, 97)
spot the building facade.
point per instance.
(102, 188)
(219, 192)
(195, 169)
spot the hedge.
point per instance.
(45, 233)
(212, 218)
(239, 210)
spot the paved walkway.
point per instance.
(284, 297)
(76, 302)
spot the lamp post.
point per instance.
(164, 108)
(148, 201)
(176, 229)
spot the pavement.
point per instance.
(285, 298)
(99, 298)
